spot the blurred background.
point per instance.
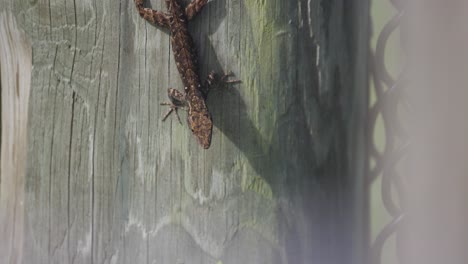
(382, 12)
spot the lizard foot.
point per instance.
(213, 80)
(173, 108)
(224, 78)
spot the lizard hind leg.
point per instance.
(194, 8)
(177, 101)
(156, 17)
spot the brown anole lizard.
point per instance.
(194, 96)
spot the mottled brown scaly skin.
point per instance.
(198, 117)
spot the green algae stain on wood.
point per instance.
(263, 82)
(269, 39)
(260, 186)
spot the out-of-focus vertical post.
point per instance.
(436, 229)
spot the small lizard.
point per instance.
(194, 96)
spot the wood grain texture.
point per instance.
(15, 73)
(283, 182)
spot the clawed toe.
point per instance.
(227, 75)
(214, 80)
(173, 108)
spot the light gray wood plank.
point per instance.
(15, 83)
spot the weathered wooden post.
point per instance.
(107, 181)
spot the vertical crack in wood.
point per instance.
(76, 40)
(70, 147)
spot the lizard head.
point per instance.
(201, 124)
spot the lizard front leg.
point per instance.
(214, 80)
(194, 7)
(177, 101)
(153, 16)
